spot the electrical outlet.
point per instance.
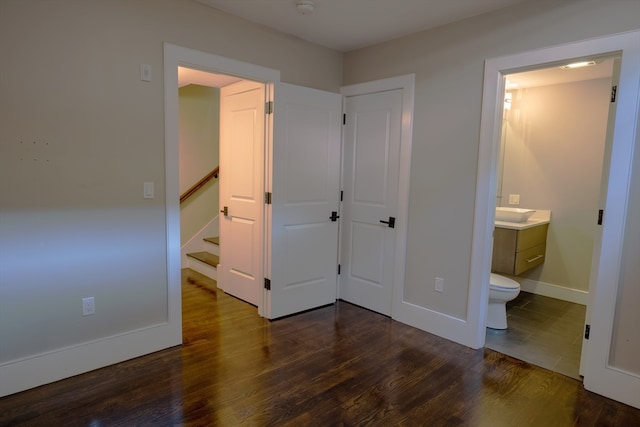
(439, 284)
(514, 199)
(88, 306)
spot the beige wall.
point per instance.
(199, 146)
(448, 63)
(553, 148)
(80, 135)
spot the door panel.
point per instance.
(305, 176)
(371, 174)
(241, 189)
(367, 253)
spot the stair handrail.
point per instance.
(195, 187)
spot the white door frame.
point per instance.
(407, 84)
(175, 56)
(624, 140)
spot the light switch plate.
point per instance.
(145, 72)
(148, 190)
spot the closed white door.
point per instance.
(305, 173)
(372, 135)
(242, 136)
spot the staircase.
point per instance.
(206, 261)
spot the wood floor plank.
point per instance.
(339, 365)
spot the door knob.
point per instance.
(225, 211)
(334, 216)
(391, 223)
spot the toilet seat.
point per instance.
(498, 282)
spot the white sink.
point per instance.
(513, 214)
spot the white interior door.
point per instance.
(305, 177)
(597, 238)
(242, 142)
(372, 136)
(612, 353)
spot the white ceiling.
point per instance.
(345, 25)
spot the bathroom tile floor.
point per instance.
(544, 331)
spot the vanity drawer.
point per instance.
(529, 258)
(530, 237)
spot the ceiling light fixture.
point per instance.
(578, 65)
(305, 7)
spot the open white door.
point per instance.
(612, 366)
(305, 174)
(597, 238)
(242, 135)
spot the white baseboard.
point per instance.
(443, 325)
(195, 243)
(554, 291)
(52, 366)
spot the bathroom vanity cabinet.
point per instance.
(516, 251)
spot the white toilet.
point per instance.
(501, 290)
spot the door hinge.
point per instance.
(600, 214)
(338, 268)
(267, 197)
(341, 195)
(614, 93)
(344, 119)
(268, 107)
(267, 284)
(587, 331)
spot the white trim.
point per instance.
(554, 291)
(599, 376)
(175, 56)
(400, 311)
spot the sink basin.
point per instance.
(513, 214)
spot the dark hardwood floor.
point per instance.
(335, 366)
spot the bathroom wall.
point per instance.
(199, 143)
(554, 142)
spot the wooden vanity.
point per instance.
(516, 250)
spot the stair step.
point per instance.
(206, 257)
(213, 240)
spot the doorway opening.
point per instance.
(608, 279)
(208, 103)
(551, 159)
